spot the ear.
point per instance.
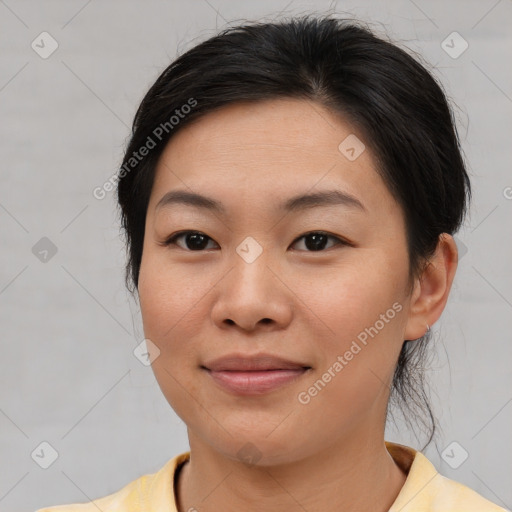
(432, 289)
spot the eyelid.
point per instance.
(340, 240)
(171, 240)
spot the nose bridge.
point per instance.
(251, 292)
(251, 266)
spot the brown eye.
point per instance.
(194, 240)
(316, 241)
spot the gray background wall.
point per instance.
(68, 375)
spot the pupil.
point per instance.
(318, 241)
(196, 241)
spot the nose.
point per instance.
(253, 296)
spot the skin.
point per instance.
(294, 302)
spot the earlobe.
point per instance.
(432, 289)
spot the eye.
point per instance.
(315, 241)
(194, 240)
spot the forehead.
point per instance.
(270, 150)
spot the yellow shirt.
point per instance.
(425, 490)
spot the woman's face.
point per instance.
(257, 284)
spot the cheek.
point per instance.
(364, 310)
(357, 295)
(170, 299)
(170, 308)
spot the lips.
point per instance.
(255, 375)
(252, 363)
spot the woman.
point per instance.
(289, 196)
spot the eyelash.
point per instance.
(340, 241)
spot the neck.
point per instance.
(357, 474)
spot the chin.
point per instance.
(262, 445)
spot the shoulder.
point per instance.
(452, 495)
(148, 492)
(426, 490)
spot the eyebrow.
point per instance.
(296, 203)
